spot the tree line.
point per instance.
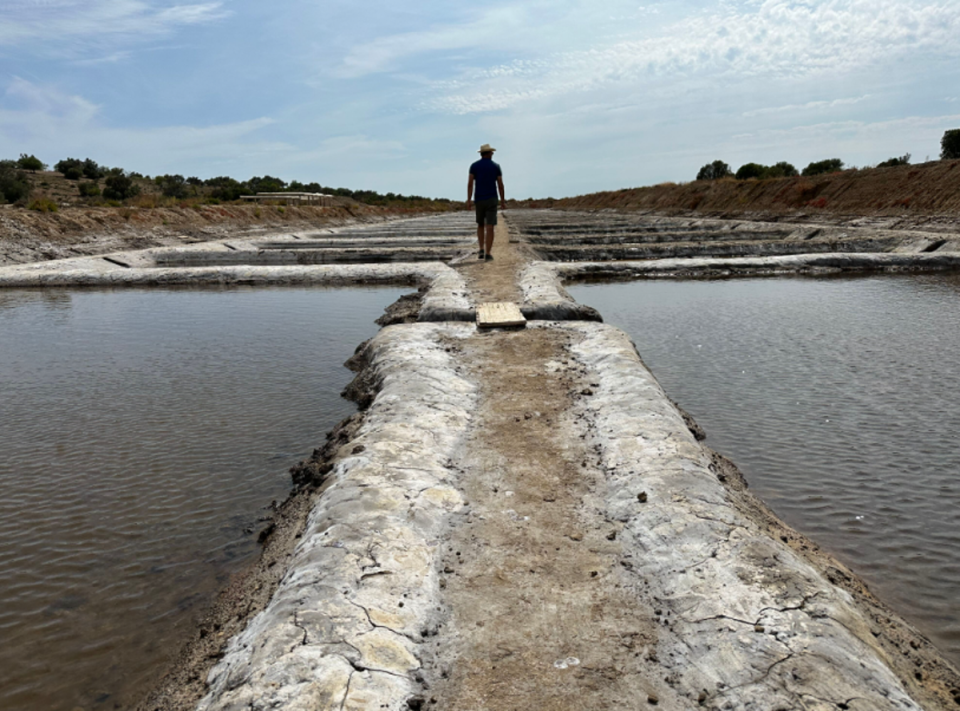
(119, 184)
(949, 150)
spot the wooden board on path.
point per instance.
(499, 315)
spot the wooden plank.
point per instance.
(499, 315)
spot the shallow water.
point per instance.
(142, 436)
(837, 398)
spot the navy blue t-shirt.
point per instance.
(485, 173)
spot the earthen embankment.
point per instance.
(30, 236)
(925, 195)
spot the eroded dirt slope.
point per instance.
(32, 236)
(925, 194)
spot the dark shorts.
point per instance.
(486, 211)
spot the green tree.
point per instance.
(90, 189)
(92, 170)
(13, 183)
(266, 184)
(781, 170)
(950, 145)
(120, 187)
(894, 162)
(174, 186)
(226, 188)
(830, 165)
(71, 168)
(714, 171)
(31, 162)
(750, 170)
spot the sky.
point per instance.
(576, 95)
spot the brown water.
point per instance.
(838, 398)
(143, 434)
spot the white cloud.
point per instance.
(808, 106)
(488, 29)
(832, 131)
(55, 124)
(777, 38)
(48, 102)
(42, 25)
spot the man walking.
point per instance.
(487, 178)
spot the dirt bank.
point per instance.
(925, 195)
(32, 236)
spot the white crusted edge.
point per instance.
(446, 300)
(539, 286)
(344, 628)
(745, 619)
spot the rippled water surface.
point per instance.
(840, 401)
(142, 435)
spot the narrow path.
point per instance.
(496, 280)
(538, 617)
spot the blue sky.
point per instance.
(576, 95)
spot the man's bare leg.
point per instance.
(480, 234)
(489, 229)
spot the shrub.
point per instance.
(750, 170)
(92, 170)
(266, 184)
(194, 181)
(31, 162)
(174, 186)
(894, 162)
(146, 201)
(74, 168)
(830, 165)
(43, 205)
(782, 170)
(712, 171)
(119, 187)
(71, 168)
(226, 189)
(13, 183)
(88, 189)
(950, 145)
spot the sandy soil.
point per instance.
(532, 572)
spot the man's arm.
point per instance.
(470, 191)
(503, 200)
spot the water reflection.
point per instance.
(142, 434)
(53, 299)
(837, 397)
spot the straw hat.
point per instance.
(486, 148)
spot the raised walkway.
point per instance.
(523, 520)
